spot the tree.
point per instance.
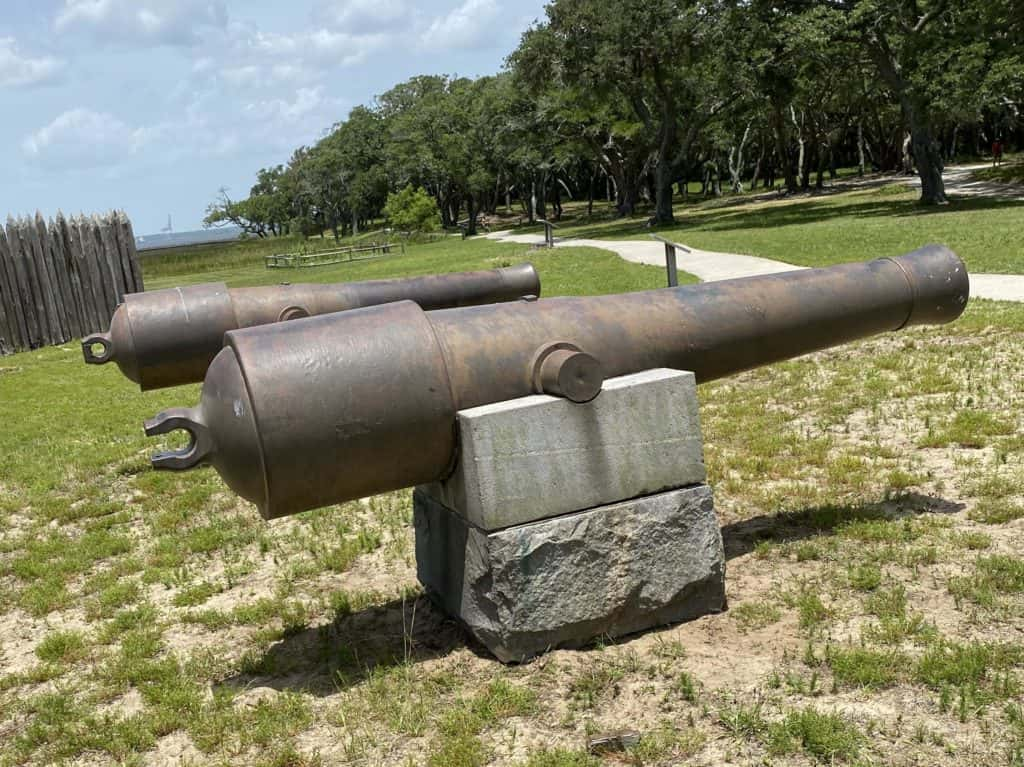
(412, 210)
(250, 214)
(662, 58)
(909, 42)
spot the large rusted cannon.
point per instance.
(332, 408)
(170, 337)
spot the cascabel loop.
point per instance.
(200, 443)
(331, 408)
(169, 337)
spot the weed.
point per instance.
(996, 511)
(865, 577)
(861, 667)
(970, 428)
(811, 610)
(592, 683)
(828, 737)
(62, 647)
(742, 721)
(755, 615)
(993, 576)
(685, 687)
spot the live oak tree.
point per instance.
(661, 59)
(627, 98)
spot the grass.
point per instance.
(827, 737)
(862, 667)
(1009, 172)
(569, 271)
(870, 500)
(818, 230)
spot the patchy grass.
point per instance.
(756, 615)
(861, 667)
(870, 498)
(828, 737)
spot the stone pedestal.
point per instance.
(565, 522)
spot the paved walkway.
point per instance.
(708, 266)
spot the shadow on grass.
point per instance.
(323, 660)
(798, 212)
(742, 537)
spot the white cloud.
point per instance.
(307, 101)
(469, 25)
(322, 46)
(83, 138)
(144, 22)
(362, 16)
(18, 70)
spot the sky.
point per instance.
(151, 106)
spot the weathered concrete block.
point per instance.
(539, 457)
(608, 571)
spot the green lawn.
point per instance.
(831, 228)
(1010, 171)
(566, 271)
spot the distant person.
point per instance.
(997, 152)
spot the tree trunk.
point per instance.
(736, 171)
(471, 210)
(757, 165)
(782, 148)
(663, 180)
(539, 199)
(627, 198)
(664, 168)
(907, 154)
(801, 171)
(860, 148)
(926, 150)
(928, 158)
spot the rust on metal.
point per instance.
(341, 406)
(169, 337)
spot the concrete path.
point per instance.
(709, 266)
(705, 265)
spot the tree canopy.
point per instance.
(624, 99)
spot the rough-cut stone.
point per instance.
(539, 457)
(608, 571)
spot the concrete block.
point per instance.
(563, 582)
(539, 457)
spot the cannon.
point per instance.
(169, 337)
(333, 408)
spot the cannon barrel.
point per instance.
(338, 407)
(169, 337)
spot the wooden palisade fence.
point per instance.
(63, 279)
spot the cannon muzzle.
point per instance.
(169, 337)
(342, 406)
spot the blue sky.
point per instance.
(153, 105)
